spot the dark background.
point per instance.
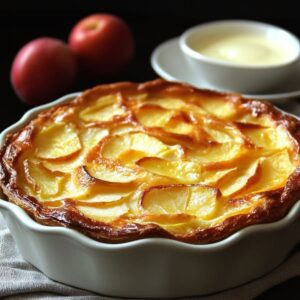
(152, 22)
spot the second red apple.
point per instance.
(103, 44)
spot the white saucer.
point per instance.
(168, 62)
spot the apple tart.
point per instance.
(127, 161)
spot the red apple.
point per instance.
(43, 70)
(103, 44)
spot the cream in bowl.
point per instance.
(245, 49)
(243, 56)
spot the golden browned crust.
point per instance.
(276, 204)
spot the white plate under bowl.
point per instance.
(168, 61)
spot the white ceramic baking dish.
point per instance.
(151, 267)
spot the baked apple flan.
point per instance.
(127, 161)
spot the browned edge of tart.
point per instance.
(277, 202)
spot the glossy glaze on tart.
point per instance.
(127, 161)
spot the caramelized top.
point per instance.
(155, 153)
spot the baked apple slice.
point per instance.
(197, 200)
(112, 146)
(104, 213)
(239, 180)
(221, 107)
(89, 138)
(275, 169)
(43, 181)
(103, 109)
(110, 171)
(212, 177)
(223, 132)
(182, 171)
(130, 156)
(81, 186)
(153, 115)
(268, 138)
(181, 124)
(170, 120)
(177, 104)
(216, 155)
(264, 119)
(57, 141)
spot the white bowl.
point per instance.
(151, 267)
(243, 78)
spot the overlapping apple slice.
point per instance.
(130, 156)
(89, 138)
(104, 200)
(43, 181)
(217, 155)
(167, 102)
(212, 177)
(159, 100)
(177, 104)
(268, 138)
(110, 171)
(120, 128)
(183, 171)
(180, 125)
(57, 141)
(153, 115)
(174, 152)
(170, 120)
(246, 174)
(222, 132)
(135, 99)
(246, 117)
(185, 141)
(103, 109)
(104, 213)
(275, 170)
(220, 107)
(177, 199)
(103, 196)
(113, 146)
